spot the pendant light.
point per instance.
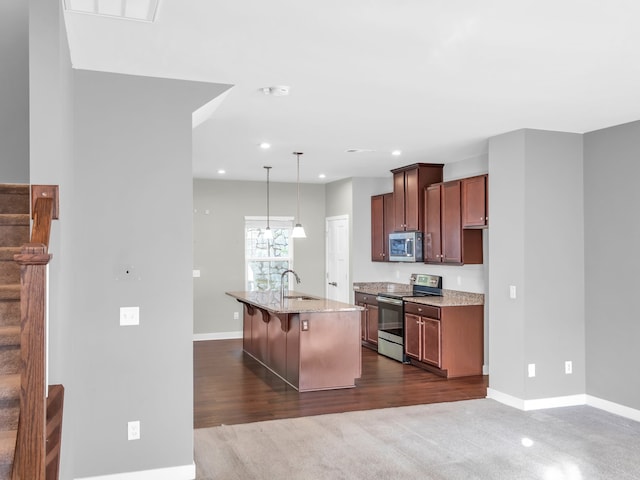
(268, 234)
(298, 230)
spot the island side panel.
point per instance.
(330, 352)
(246, 328)
(277, 347)
(259, 335)
(293, 351)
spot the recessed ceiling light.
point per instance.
(396, 153)
(221, 171)
(265, 145)
(322, 175)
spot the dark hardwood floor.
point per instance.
(231, 387)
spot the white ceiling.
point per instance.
(433, 78)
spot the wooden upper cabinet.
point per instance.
(408, 185)
(432, 225)
(381, 226)
(451, 223)
(445, 239)
(474, 202)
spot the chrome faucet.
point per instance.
(282, 283)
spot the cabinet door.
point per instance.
(412, 198)
(372, 324)
(474, 202)
(431, 341)
(398, 201)
(377, 229)
(451, 223)
(388, 222)
(432, 244)
(412, 333)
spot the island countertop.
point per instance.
(296, 302)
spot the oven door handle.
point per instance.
(392, 301)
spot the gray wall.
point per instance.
(536, 244)
(120, 149)
(14, 91)
(51, 162)
(219, 243)
(612, 236)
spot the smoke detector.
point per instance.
(276, 91)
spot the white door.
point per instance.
(338, 286)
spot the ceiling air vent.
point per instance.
(359, 150)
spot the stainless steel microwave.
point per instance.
(405, 247)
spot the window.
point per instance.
(265, 260)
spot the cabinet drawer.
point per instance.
(365, 298)
(422, 310)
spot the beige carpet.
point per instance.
(474, 439)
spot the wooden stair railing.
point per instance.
(30, 461)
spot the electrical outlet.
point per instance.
(531, 369)
(236, 315)
(568, 367)
(129, 316)
(133, 430)
(512, 291)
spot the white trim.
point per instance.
(199, 337)
(485, 369)
(537, 404)
(184, 472)
(509, 400)
(614, 408)
(555, 402)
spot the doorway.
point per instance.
(337, 258)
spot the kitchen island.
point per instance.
(311, 343)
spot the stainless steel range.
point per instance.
(391, 313)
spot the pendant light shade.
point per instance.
(268, 234)
(298, 230)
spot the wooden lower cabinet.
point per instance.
(309, 350)
(368, 319)
(448, 341)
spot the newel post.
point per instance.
(30, 459)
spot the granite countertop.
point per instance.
(270, 301)
(450, 298)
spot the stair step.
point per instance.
(9, 387)
(14, 229)
(10, 312)
(9, 269)
(10, 292)
(7, 449)
(14, 198)
(9, 335)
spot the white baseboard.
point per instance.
(485, 369)
(184, 472)
(199, 337)
(567, 401)
(615, 408)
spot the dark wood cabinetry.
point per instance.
(408, 184)
(448, 341)
(445, 241)
(381, 226)
(369, 319)
(474, 202)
